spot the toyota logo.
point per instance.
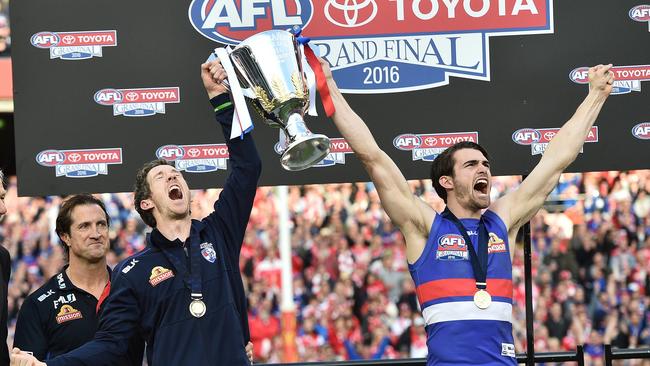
(193, 152)
(68, 39)
(350, 10)
(131, 96)
(430, 141)
(74, 157)
(549, 135)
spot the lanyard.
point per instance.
(479, 259)
(191, 278)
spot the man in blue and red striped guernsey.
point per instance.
(461, 259)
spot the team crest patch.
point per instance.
(159, 274)
(67, 313)
(496, 244)
(452, 247)
(207, 251)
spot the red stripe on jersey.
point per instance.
(104, 295)
(452, 287)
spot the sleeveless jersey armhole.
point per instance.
(429, 246)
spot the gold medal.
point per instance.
(197, 308)
(482, 299)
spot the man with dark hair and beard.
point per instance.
(63, 314)
(183, 294)
(465, 293)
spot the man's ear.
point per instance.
(446, 182)
(65, 238)
(146, 204)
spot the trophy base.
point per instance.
(305, 152)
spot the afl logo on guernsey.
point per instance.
(451, 247)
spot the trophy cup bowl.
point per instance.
(269, 69)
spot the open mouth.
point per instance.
(481, 185)
(175, 193)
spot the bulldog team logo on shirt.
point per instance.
(339, 148)
(75, 45)
(496, 244)
(159, 274)
(642, 131)
(641, 13)
(427, 147)
(67, 313)
(383, 46)
(452, 247)
(539, 138)
(196, 158)
(80, 163)
(142, 102)
(626, 78)
(207, 251)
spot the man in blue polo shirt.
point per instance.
(183, 294)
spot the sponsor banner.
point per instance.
(196, 158)
(626, 78)
(140, 102)
(427, 147)
(339, 148)
(641, 13)
(642, 131)
(84, 163)
(539, 138)
(383, 46)
(75, 45)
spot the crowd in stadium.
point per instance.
(352, 290)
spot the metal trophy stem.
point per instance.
(305, 149)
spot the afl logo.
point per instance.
(407, 142)
(640, 13)
(642, 131)
(45, 39)
(231, 21)
(50, 158)
(580, 75)
(451, 241)
(108, 96)
(350, 13)
(526, 136)
(170, 152)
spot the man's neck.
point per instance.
(90, 277)
(174, 229)
(463, 212)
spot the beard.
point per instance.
(465, 195)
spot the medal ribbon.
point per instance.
(191, 278)
(478, 258)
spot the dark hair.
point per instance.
(444, 164)
(142, 191)
(64, 219)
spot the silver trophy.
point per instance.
(269, 69)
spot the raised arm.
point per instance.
(409, 213)
(233, 208)
(521, 205)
